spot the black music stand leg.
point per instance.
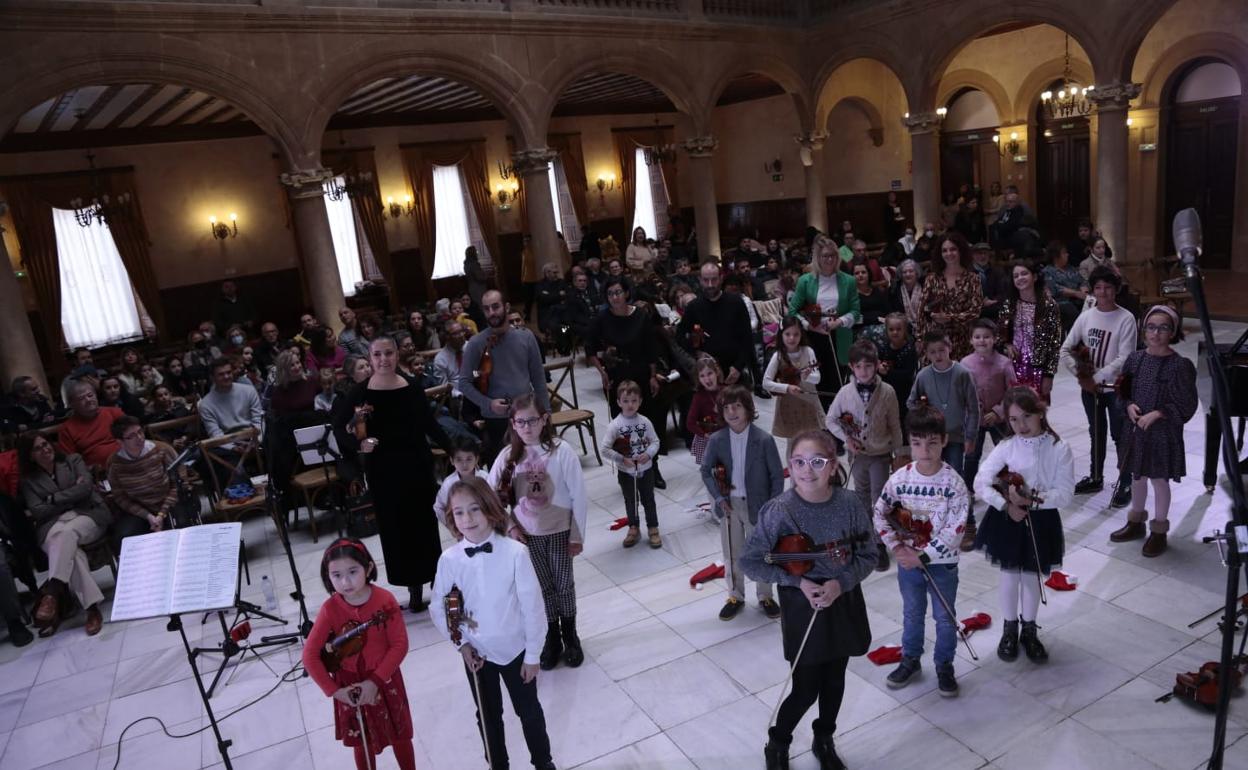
(1213, 445)
(223, 745)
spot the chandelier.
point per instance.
(102, 208)
(354, 183)
(1071, 100)
(659, 152)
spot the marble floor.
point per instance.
(666, 685)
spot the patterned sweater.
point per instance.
(942, 498)
(642, 440)
(141, 485)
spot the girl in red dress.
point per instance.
(368, 686)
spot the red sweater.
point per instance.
(703, 405)
(93, 439)
(9, 474)
(385, 646)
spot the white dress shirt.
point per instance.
(502, 605)
(736, 445)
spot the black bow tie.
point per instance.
(485, 548)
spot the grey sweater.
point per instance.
(953, 393)
(238, 407)
(517, 370)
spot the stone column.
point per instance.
(924, 165)
(19, 355)
(701, 149)
(533, 165)
(316, 242)
(811, 144)
(1111, 164)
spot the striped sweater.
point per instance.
(141, 486)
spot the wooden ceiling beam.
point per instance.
(185, 118)
(134, 106)
(103, 100)
(55, 111)
(164, 109)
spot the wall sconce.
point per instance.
(1128, 122)
(1011, 147)
(221, 230)
(774, 168)
(942, 111)
(506, 195)
(604, 183)
(399, 209)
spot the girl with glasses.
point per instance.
(823, 613)
(539, 476)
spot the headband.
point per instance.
(1169, 311)
(342, 541)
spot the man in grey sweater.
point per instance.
(230, 405)
(516, 370)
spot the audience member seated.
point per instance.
(326, 394)
(293, 391)
(993, 280)
(580, 307)
(858, 256)
(68, 513)
(370, 327)
(268, 347)
(1065, 283)
(212, 334)
(457, 313)
(970, 221)
(424, 337)
(235, 341)
(178, 381)
(10, 603)
(447, 361)
(114, 393)
(407, 359)
(198, 360)
(1081, 246)
(163, 407)
(83, 362)
(88, 432)
(639, 257)
(139, 477)
(25, 407)
(128, 369)
(349, 338)
(231, 309)
(307, 322)
(230, 406)
(323, 350)
(745, 270)
(551, 292)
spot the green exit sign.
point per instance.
(777, 177)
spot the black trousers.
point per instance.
(523, 701)
(635, 488)
(495, 434)
(823, 682)
(126, 526)
(1101, 409)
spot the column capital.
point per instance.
(923, 122)
(700, 146)
(811, 140)
(533, 160)
(306, 183)
(1114, 96)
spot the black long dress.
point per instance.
(400, 475)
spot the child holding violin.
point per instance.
(494, 616)
(792, 375)
(1027, 479)
(353, 654)
(824, 616)
(632, 444)
(703, 418)
(741, 470)
(920, 516)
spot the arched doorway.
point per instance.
(968, 154)
(1202, 130)
(1063, 170)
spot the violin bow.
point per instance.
(476, 684)
(359, 720)
(948, 610)
(796, 659)
(1035, 548)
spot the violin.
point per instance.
(850, 425)
(359, 423)
(1122, 386)
(797, 553)
(1084, 369)
(720, 474)
(456, 617)
(915, 529)
(814, 314)
(710, 423)
(1007, 478)
(1203, 686)
(485, 367)
(623, 445)
(349, 641)
(697, 336)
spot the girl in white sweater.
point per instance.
(792, 375)
(1046, 467)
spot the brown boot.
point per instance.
(1155, 545)
(1132, 530)
(968, 537)
(95, 621)
(656, 541)
(634, 534)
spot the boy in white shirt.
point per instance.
(466, 460)
(631, 443)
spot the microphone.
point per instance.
(1187, 235)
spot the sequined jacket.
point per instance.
(1048, 332)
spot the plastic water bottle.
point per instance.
(270, 598)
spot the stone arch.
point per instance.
(1213, 45)
(507, 92)
(779, 71)
(956, 80)
(869, 111)
(122, 68)
(824, 103)
(876, 51)
(657, 68)
(1037, 82)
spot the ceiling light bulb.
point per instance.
(212, 220)
(233, 217)
(1013, 135)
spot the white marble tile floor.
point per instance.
(668, 686)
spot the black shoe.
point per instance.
(1089, 485)
(1122, 494)
(760, 393)
(770, 608)
(415, 600)
(553, 647)
(881, 564)
(1031, 644)
(573, 655)
(825, 751)
(905, 671)
(776, 752)
(731, 608)
(1007, 649)
(19, 634)
(946, 681)
(659, 482)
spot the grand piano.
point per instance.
(1234, 361)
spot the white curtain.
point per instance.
(565, 213)
(346, 245)
(97, 299)
(643, 208)
(451, 227)
(474, 226)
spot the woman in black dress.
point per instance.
(399, 468)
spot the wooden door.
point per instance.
(957, 167)
(1063, 186)
(1200, 174)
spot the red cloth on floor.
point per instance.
(1060, 581)
(619, 523)
(976, 622)
(706, 574)
(882, 656)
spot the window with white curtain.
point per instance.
(643, 209)
(97, 299)
(451, 228)
(342, 227)
(565, 213)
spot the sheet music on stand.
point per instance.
(193, 569)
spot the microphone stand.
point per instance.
(277, 511)
(1233, 543)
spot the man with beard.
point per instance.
(724, 324)
(266, 350)
(515, 368)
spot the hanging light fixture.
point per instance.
(354, 183)
(659, 152)
(103, 208)
(1071, 100)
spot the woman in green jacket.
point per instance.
(831, 328)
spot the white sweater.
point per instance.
(1046, 464)
(550, 490)
(442, 501)
(642, 441)
(805, 357)
(1111, 337)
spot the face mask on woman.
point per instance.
(237, 339)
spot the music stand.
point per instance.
(277, 512)
(317, 445)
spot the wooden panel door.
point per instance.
(1063, 186)
(1201, 153)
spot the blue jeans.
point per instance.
(955, 455)
(914, 591)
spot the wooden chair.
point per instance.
(310, 482)
(189, 427)
(438, 396)
(574, 417)
(100, 554)
(221, 469)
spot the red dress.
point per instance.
(703, 420)
(389, 720)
